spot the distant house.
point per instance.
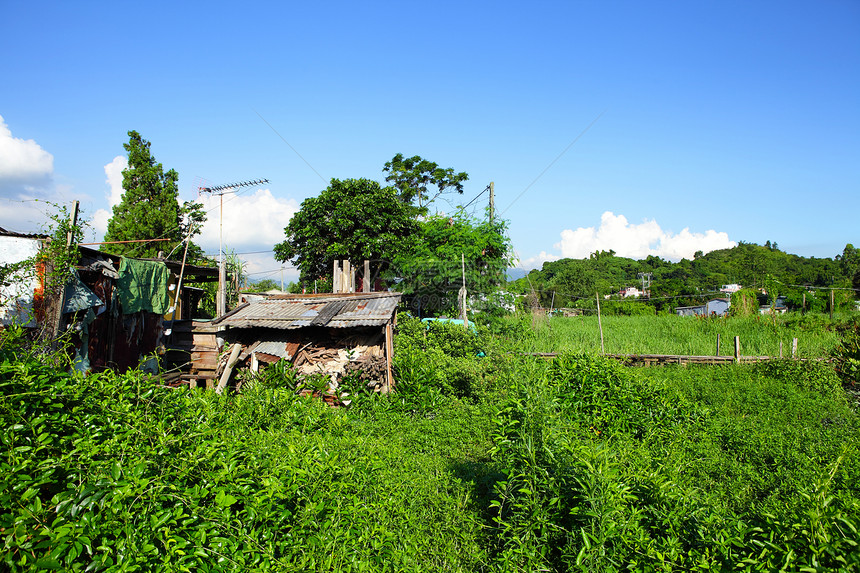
(778, 307)
(630, 291)
(717, 306)
(730, 288)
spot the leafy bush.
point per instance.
(744, 303)
(847, 354)
(435, 359)
(806, 374)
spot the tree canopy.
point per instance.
(150, 208)
(431, 270)
(353, 219)
(415, 177)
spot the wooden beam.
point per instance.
(389, 351)
(228, 370)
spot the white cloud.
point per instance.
(113, 171)
(113, 178)
(251, 222)
(24, 165)
(638, 241)
(99, 222)
(538, 261)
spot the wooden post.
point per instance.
(803, 308)
(221, 303)
(335, 277)
(492, 200)
(599, 322)
(831, 305)
(737, 349)
(347, 277)
(60, 299)
(225, 376)
(365, 282)
(718, 345)
(389, 350)
(794, 348)
(74, 223)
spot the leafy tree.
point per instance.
(354, 219)
(849, 262)
(414, 177)
(264, 285)
(150, 208)
(431, 271)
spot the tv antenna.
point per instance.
(222, 190)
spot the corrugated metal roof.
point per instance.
(7, 233)
(331, 310)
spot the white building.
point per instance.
(17, 291)
(729, 289)
(630, 291)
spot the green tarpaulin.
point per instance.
(142, 285)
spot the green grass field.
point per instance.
(759, 336)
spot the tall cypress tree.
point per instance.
(150, 208)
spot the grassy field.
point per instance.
(759, 336)
(490, 463)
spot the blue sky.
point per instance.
(716, 122)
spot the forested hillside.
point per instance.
(574, 282)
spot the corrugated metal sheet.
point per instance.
(273, 347)
(7, 233)
(335, 311)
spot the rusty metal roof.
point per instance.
(331, 310)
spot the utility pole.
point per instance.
(60, 298)
(220, 190)
(492, 200)
(646, 283)
(72, 224)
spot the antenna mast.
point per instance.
(221, 190)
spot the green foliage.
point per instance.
(414, 176)
(432, 268)
(352, 219)
(150, 208)
(114, 473)
(494, 464)
(436, 360)
(744, 303)
(264, 285)
(809, 375)
(675, 469)
(847, 354)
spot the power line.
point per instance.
(553, 162)
(291, 147)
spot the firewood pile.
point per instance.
(338, 358)
(371, 370)
(331, 356)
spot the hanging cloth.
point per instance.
(142, 286)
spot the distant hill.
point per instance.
(574, 282)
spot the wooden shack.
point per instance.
(330, 334)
